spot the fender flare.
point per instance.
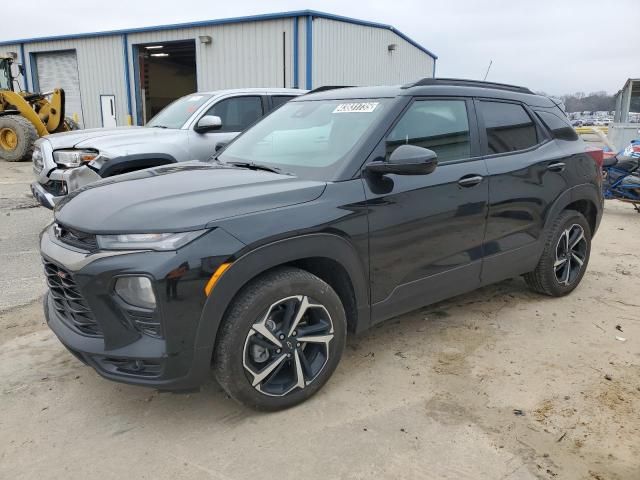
(271, 255)
(585, 191)
(115, 166)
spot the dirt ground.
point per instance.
(501, 383)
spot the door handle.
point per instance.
(556, 167)
(470, 180)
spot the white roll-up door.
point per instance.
(60, 70)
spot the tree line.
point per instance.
(593, 102)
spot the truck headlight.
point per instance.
(136, 291)
(73, 158)
(147, 241)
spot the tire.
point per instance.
(551, 276)
(17, 135)
(71, 124)
(262, 306)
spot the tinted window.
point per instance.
(237, 113)
(439, 125)
(279, 100)
(560, 128)
(509, 127)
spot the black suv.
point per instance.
(339, 210)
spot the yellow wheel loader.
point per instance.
(24, 117)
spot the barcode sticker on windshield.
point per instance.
(367, 107)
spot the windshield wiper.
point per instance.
(159, 126)
(254, 166)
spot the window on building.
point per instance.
(439, 125)
(509, 127)
(237, 113)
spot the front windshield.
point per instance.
(4, 75)
(307, 138)
(176, 114)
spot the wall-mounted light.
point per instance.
(205, 39)
(154, 47)
(159, 54)
(392, 47)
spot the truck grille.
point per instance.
(75, 238)
(68, 302)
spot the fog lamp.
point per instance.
(136, 291)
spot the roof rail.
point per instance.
(467, 83)
(324, 88)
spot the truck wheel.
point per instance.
(565, 256)
(17, 135)
(280, 340)
(71, 124)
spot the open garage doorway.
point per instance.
(167, 70)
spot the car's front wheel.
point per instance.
(281, 340)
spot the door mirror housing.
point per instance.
(407, 160)
(208, 123)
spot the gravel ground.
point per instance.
(501, 383)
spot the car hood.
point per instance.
(173, 198)
(107, 139)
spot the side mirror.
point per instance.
(407, 160)
(208, 123)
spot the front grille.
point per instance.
(75, 238)
(68, 302)
(38, 161)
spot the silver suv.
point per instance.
(191, 128)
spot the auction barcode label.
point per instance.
(366, 107)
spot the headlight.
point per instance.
(136, 291)
(37, 159)
(147, 241)
(73, 158)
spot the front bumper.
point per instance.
(44, 197)
(119, 350)
(54, 183)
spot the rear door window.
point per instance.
(237, 113)
(439, 125)
(508, 126)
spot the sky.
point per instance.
(553, 46)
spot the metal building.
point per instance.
(626, 122)
(126, 76)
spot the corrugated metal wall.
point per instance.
(349, 54)
(302, 51)
(100, 70)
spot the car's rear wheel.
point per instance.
(565, 256)
(281, 340)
